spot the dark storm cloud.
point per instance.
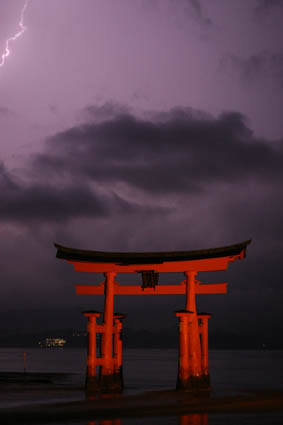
(47, 202)
(195, 10)
(263, 65)
(177, 152)
(198, 12)
(266, 6)
(182, 152)
(106, 111)
(6, 182)
(189, 8)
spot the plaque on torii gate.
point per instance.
(193, 371)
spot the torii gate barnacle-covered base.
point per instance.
(193, 369)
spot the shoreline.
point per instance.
(49, 398)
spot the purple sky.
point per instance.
(142, 125)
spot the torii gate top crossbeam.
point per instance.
(131, 262)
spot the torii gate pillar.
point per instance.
(190, 371)
(106, 378)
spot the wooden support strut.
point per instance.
(203, 328)
(91, 378)
(92, 384)
(118, 351)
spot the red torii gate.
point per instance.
(193, 369)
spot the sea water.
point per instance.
(232, 372)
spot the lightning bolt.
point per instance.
(23, 28)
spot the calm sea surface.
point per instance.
(232, 372)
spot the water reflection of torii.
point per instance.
(193, 372)
(191, 419)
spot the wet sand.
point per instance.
(157, 403)
(33, 395)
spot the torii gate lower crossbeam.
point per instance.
(193, 371)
